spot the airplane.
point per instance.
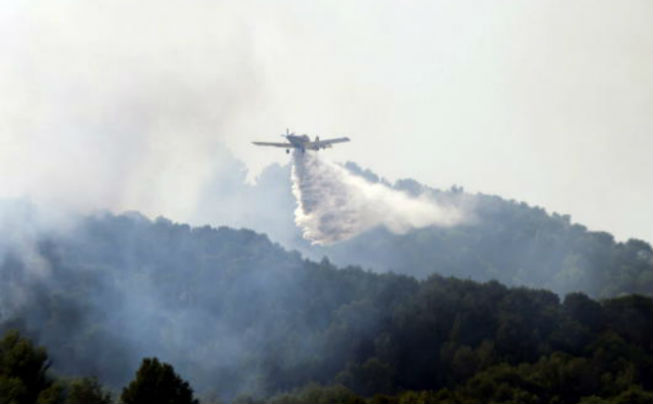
(303, 142)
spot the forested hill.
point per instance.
(235, 313)
(512, 242)
(509, 241)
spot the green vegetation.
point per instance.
(245, 321)
(508, 241)
(555, 378)
(87, 390)
(23, 372)
(157, 383)
(505, 240)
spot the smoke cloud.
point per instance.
(334, 204)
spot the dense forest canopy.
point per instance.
(235, 313)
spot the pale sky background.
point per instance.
(129, 105)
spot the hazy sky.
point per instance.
(129, 105)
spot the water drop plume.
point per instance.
(334, 205)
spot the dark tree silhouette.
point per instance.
(87, 390)
(157, 383)
(22, 370)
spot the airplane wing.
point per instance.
(286, 145)
(329, 142)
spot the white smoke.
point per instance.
(334, 204)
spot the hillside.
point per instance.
(506, 240)
(235, 313)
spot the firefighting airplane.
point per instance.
(303, 142)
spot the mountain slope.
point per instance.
(509, 241)
(235, 313)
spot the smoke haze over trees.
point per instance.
(243, 318)
(509, 241)
(144, 241)
(235, 313)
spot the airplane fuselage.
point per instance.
(303, 142)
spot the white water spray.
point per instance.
(334, 204)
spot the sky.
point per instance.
(135, 105)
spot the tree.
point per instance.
(87, 390)
(583, 310)
(55, 394)
(22, 370)
(372, 377)
(157, 383)
(315, 393)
